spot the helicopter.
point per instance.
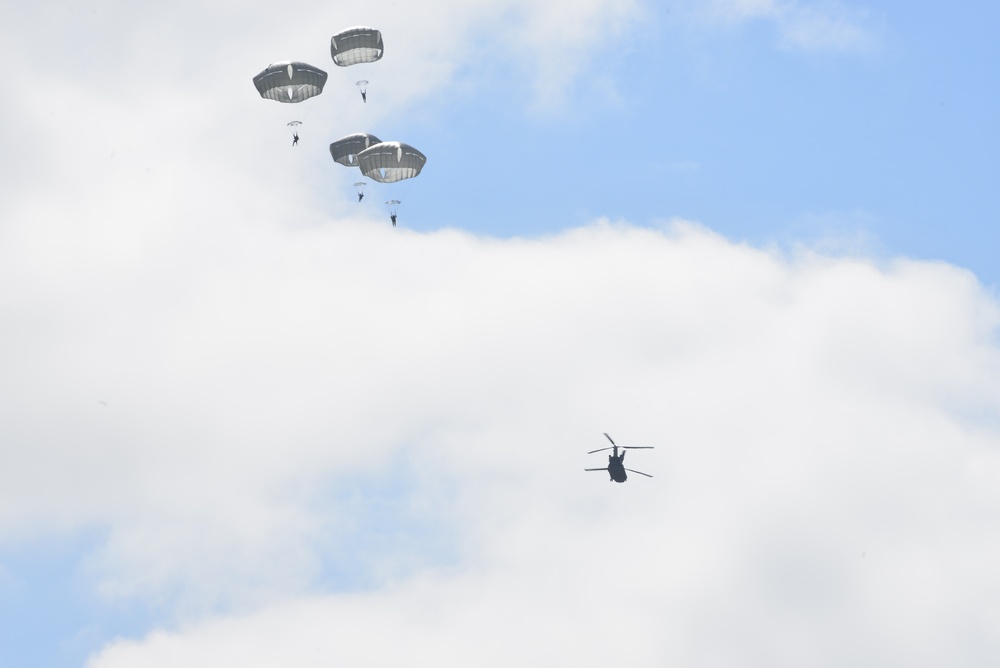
(616, 464)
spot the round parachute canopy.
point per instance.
(294, 124)
(345, 150)
(393, 206)
(391, 161)
(360, 44)
(290, 81)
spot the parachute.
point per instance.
(359, 188)
(393, 207)
(290, 81)
(346, 149)
(390, 161)
(360, 44)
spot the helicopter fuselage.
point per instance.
(616, 467)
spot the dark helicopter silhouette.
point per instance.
(616, 464)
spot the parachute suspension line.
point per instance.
(398, 192)
(403, 189)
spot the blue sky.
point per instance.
(892, 140)
(242, 418)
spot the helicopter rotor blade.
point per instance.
(639, 472)
(604, 469)
(597, 450)
(625, 447)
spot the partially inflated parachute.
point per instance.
(391, 161)
(360, 44)
(290, 81)
(346, 149)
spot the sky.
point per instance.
(245, 421)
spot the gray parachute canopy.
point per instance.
(290, 81)
(391, 161)
(360, 44)
(345, 150)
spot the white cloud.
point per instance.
(805, 411)
(556, 42)
(822, 26)
(204, 56)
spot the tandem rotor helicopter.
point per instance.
(616, 463)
